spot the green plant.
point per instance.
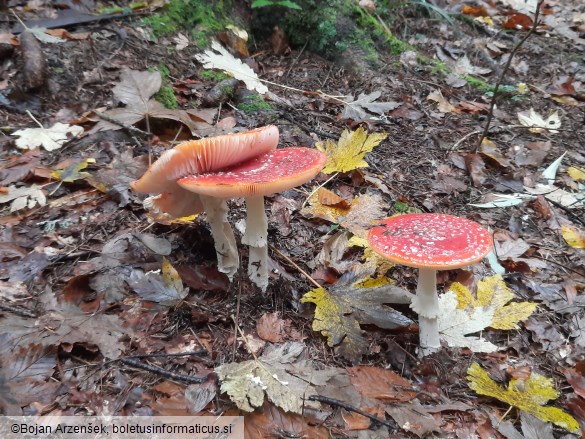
(285, 3)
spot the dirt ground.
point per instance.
(75, 313)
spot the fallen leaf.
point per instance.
(73, 172)
(340, 311)
(492, 292)
(165, 288)
(414, 418)
(490, 150)
(24, 197)
(455, 324)
(359, 108)
(538, 124)
(348, 153)
(573, 236)
(271, 327)
(576, 174)
(444, 105)
(364, 210)
(49, 138)
(220, 58)
(528, 395)
(248, 383)
(382, 384)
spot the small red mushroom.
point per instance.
(198, 156)
(430, 242)
(267, 174)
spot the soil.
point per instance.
(52, 257)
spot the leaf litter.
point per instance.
(98, 244)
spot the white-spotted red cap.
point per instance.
(431, 240)
(267, 174)
(205, 155)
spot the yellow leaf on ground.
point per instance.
(528, 395)
(332, 320)
(348, 153)
(492, 292)
(172, 278)
(364, 210)
(373, 262)
(573, 236)
(576, 173)
(73, 172)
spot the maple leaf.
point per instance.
(348, 153)
(49, 138)
(273, 375)
(528, 395)
(358, 216)
(532, 119)
(220, 58)
(340, 311)
(135, 89)
(24, 197)
(455, 324)
(358, 109)
(492, 292)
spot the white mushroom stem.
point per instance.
(256, 236)
(228, 260)
(426, 305)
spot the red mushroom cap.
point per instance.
(205, 155)
(269, 173)
(431, 240)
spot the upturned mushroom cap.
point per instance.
(431, 240)
(205, 155)
(269, 173)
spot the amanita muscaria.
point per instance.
(272, 172)
(200, 156)
(430, 242)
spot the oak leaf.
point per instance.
(528, 395)
(348, 153)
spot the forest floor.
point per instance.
(79, 313)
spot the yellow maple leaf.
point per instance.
(493, 292)
(573, 236)
(348, 153)
(363, 211)
(528, 395)
(332, 319)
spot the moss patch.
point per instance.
(213, 75)
(254, 103)
(201, 18)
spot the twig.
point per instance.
(350, 408)
(506, 67)
(289, 260)
(199, 353)
(163, 372)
